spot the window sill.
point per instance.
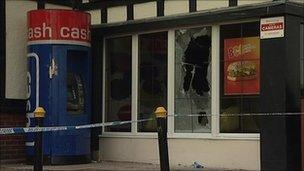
(206, 136)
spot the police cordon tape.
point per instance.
(20, 130)
(239, 114)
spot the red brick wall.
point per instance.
(12, 147)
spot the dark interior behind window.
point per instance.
(118, 82)
(152, 85)
(243, 102)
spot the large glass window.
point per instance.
(118, 64)
(193, 80)
(240, 77)
(152, 88)
(236, 77)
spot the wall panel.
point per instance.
(117, 14)
(95, 16)
(207, 4)
(16, 47)
(246, 2)
(145, 10)
(241, 154)
(176, 7)
(54, 6)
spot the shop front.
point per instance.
(229, 76)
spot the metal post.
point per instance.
(161, 119)
(38, 163)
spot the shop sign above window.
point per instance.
(272, 27)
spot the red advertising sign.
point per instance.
(242, 66)
(58, 27)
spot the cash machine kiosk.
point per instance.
(59, 80)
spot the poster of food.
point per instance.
(242, 66)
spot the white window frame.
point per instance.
(171, 92)
(215, 89)
(107, 133)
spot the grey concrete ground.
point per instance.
(101, 166)
(85, 167)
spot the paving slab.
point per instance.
(104, 166)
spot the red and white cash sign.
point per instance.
(272, 27)
(59, 27)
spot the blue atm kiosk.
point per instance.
(59, 78)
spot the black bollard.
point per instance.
(161, 119)
(38, 163)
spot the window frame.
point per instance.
(171, 97)
(104, 81)
(137, 73)
(240, 97)
(215, 88)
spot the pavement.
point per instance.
(103, 166)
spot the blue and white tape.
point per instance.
(19, 130)
(239, 114)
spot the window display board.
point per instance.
(242, 66)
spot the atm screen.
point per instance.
(75, 94)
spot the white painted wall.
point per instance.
(145, 10)
(117, 14)
(229, 154)
(53, 6)
(207, 4)
(298, 1)
(176, 7)
(16, 47)
(95, 16)
(246, 2)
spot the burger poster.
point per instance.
(242, 66)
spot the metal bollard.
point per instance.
(161, 119)
(38, 163)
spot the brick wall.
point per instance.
(12, 147)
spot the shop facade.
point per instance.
(208, 64)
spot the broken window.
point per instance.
(193, 79)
